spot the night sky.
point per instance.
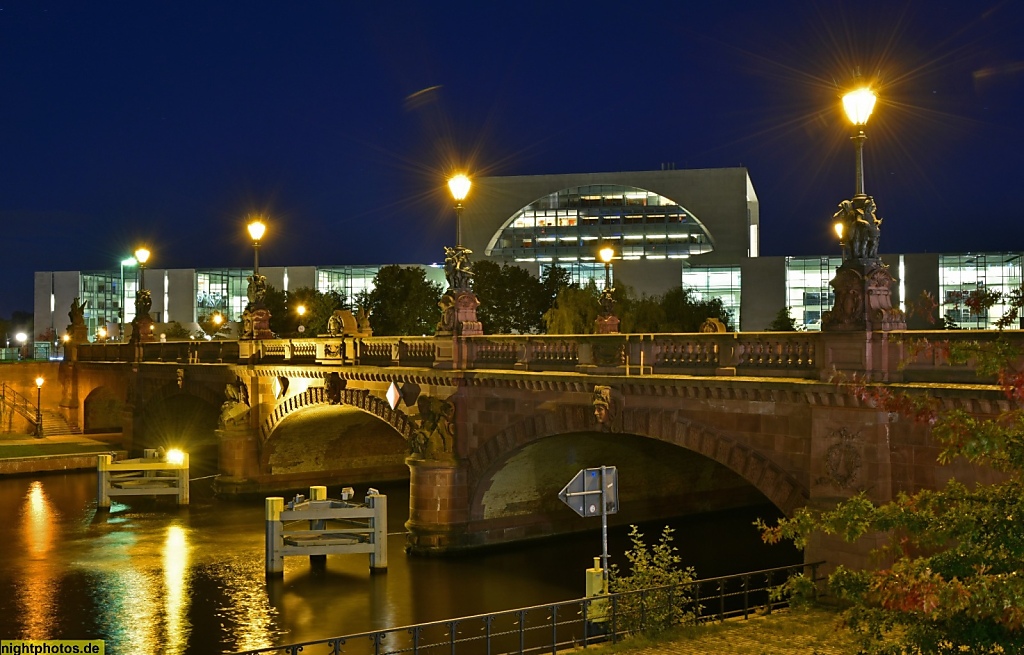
(168, 122)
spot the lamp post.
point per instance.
(301, 311)
(130, 261)
(459, 303)
(256, 317)
(863, 283)
(39, 407)
(607, 322)
(606, 255)
(142, 323)
(256, 230)
(858, 105)
(459, 186)
(142, 256)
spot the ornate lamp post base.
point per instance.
(458, 314)
(863, 302)
(143, 328)
(863, 284)
(607, 324)
(256, 323)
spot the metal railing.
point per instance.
(9, 397)
(569, 624)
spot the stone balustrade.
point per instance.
(883, 356)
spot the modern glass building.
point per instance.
(188, 296)
(565, 226)
(696, 228)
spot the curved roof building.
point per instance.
(656, 221)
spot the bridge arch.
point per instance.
(359, 398)
(102, 410)
(780, 487)
(178, 413)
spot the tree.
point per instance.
(319, 308)
(511, 298)
(403, 302)
(783, 321)
(574, 311)
(684, 312)
(956, 582)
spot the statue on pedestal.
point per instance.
(863, 283)
(458, 304)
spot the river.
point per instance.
(149, 577)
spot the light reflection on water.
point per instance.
(37, 597)
(149, 577)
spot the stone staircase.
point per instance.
(54, 425)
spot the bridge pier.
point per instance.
(237, 454)
(438, 506)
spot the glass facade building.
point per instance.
(722, 282)
(567, 226)
(966, 273)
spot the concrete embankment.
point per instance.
(23, 454)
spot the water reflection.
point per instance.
(149, 577)
(38, 597)
(176, 598)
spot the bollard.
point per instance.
(275, 541)
(183, 482)
(317, 493)
(597, 609)
(379, 524)
(103, 480)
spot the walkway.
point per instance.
(809, 631)
(23, 453)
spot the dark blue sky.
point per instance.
(167, 122)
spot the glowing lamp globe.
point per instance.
(142, 255)
(459, 186)
(256, 230)
(858, 105)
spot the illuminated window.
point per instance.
(722, 282)
(963, 274)
(562, 226)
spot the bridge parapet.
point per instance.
(880, 356)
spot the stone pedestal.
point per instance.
(261, 323)
(438, 505)
(863, 289)
(458, 314)
(607, 324)
(78, 333)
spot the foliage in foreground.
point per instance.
(956, 583)
(667, 600)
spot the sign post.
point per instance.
(595, 491)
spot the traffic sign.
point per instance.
(593, 490)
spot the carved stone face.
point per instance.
(601, 413)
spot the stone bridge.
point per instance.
(488, 429)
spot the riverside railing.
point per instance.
(566, 625)
(881, 356)
(9, 397)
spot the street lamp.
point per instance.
(863, 282)
(142, 256)
(301, 311)
(858, 105)
(39, 407)
(606, 255)
(459, 186)
(256, 230)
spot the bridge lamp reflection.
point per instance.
(175, 456)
